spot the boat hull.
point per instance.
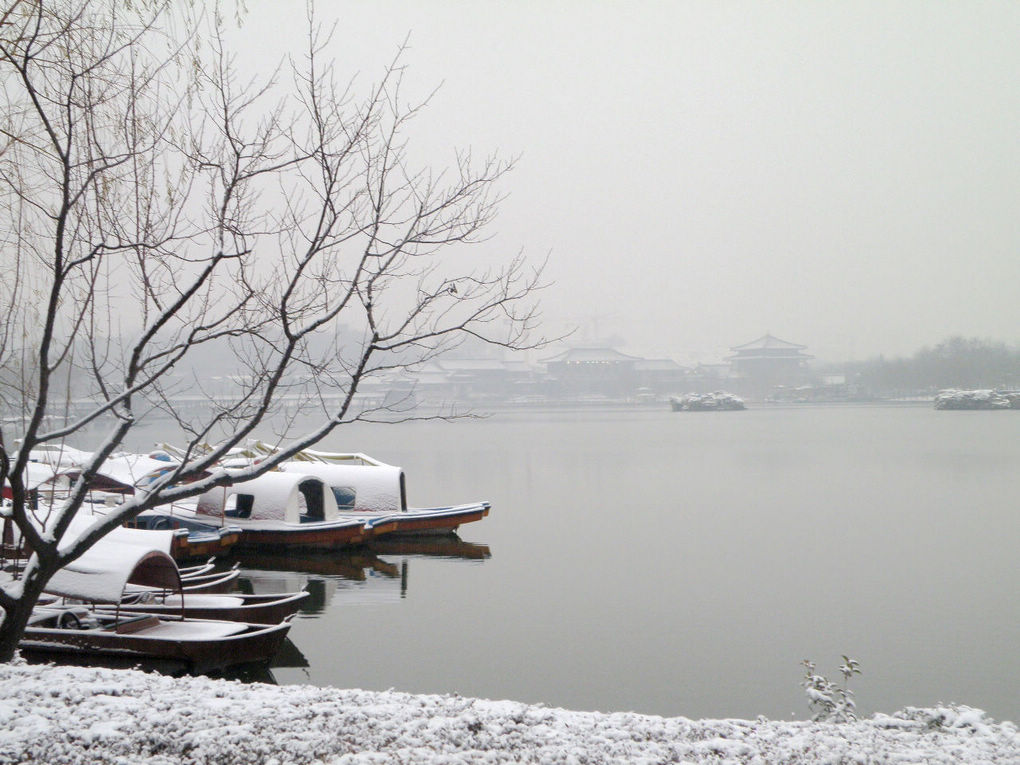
(270, 535)
(191, 546)
(434, 521)
(253, 643)
(297, 538)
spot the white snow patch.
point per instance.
(61, 715)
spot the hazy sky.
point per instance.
(841, 174)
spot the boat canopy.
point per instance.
(123, 473)
(59, 456)
(36, 474)
(145, 539)
(274, 496)
(364, 487)
(105, 569)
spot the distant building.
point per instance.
(451, 380)
(594, 372)
(708, 378)
(763, 365)
(660, 377)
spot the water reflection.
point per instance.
(288, 657)
(356, 576)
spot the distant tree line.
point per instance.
(957, 362)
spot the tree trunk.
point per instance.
(15, 617)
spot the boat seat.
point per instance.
(136, 624)
(40, 617)
(196, 629)
(198, 600)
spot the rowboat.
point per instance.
(86, 618)
(205, 645)
(235, 607)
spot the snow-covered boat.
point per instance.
(52, 471)
(275, 510)
(719, 401)
(234, 607)
(367, 488)
(96, 626)
(191, 541)
(977, 399)
(204, 645)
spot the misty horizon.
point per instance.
(839, 175)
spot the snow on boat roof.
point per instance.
(102, 572)
(276, 496)
(124, 471)
(58, 456)
(36, 474)
(145, 539)
(377, 486)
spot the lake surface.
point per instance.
(685, 563)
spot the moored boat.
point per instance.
(95, 625)
(235, 607)
(205, 645)
(367, 488)
(275, 510)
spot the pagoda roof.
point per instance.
(770, 343)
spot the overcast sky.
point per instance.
(844, 175)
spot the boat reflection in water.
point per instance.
(288, 657)
(353, 577)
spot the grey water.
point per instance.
(684, 563)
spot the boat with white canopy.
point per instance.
(372, 490)
(96, 625)
(275, 510)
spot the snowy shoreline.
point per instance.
(58, 715)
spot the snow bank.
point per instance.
(63, 715)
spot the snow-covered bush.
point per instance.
(829, 701)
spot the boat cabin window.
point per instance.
(239, 506)
(345, 497)
(310, 503)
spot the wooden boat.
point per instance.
(189, 544)
(235, 607)
(205, 645)
(274, 511)
(124, 474)
(96, 626)
(367, 488)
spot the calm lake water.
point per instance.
(685, 563)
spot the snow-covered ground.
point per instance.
(57, 715)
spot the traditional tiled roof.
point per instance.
(768, 342)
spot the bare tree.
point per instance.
(156, 208)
